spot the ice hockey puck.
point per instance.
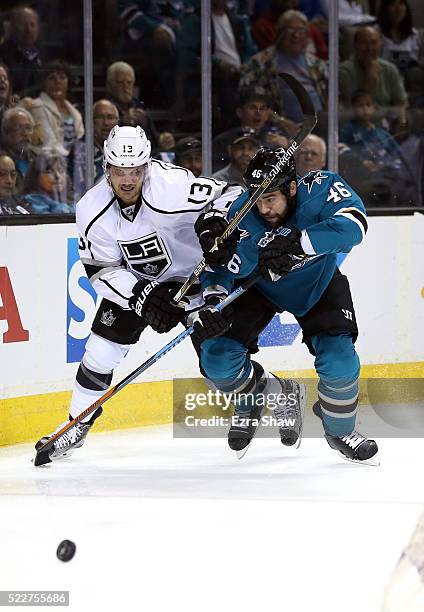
(66, 550)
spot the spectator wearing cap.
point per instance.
(60, 121)
(188, 154)
(255, 114)
(21, 51)
(289, 54)
(241, 150)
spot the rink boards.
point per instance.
(47, 305)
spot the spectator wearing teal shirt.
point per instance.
(370, 142)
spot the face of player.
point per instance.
(122, 86)
(294, 37)
(127, 182)
(56, 85)
(241, 154)
(273, 207)
(253, 114)
(4, 85)
(192, 161)
(7, 176)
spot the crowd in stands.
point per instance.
(147, 68)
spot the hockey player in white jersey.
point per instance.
(138, 245)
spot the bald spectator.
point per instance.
(17, 129)
(365, 70)
(311, 155)
(105, 117)
(120, 89)
(241, 150)
(288, 54)
(21, 51)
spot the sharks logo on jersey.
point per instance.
(313, 177)
(146, 255)
(242, 235)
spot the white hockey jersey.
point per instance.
(156, 241)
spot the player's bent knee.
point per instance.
(222, 358)
(102, 355)
(336, 358)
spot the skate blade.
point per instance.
(241, 453)
(302, 411)
(371, 461)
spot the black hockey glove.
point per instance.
(208, 322)
(210, 226)
(152, 302)
(281, 254)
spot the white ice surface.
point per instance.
(167, 524)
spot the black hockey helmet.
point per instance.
(260, 166)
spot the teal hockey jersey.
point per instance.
(332, 219)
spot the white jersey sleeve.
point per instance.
(96, 219)
(211, 192)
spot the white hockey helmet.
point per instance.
(126, 147)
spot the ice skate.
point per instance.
(243, 428)
(66, 444)
(290, 411)
(352, 447)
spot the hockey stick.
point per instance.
(42, 456)
(309, 122)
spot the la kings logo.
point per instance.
(107, 318)
(146, 255)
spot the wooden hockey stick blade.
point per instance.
(309, 122)
(42, 453)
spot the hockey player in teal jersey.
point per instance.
(292, 236)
